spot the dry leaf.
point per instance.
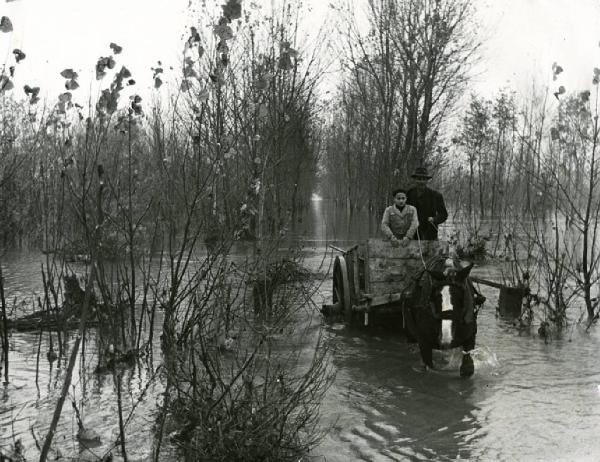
(71, 84)
(115, 48)
(203, 95)
(19, 55)
(223, 31)
(69, 74)
(5, 24)
(65, 97)
(5, 84)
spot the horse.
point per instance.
(441, 311)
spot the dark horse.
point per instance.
(441, 311)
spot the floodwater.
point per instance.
(529, 400)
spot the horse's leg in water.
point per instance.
(467, 368)
(426, 354)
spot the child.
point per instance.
(400, 220)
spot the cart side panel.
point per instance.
(407, 249)
(391, 269)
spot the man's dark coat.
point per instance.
(429, 203)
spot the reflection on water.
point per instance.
(28, 402)
(527, 401)
(326, 222)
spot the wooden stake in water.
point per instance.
(4, 326)
(71, 366)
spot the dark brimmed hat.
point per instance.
(421, 174)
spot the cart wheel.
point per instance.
(341, 287)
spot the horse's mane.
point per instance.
(423, 283)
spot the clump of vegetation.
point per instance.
(239, 392)
(548, 160)
(474, 248)
(146, 203)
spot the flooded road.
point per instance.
(528, 401)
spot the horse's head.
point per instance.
(451, 299)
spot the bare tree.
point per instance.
(401, 79)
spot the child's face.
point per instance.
(400, 199)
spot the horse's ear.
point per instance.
(463, 273)
(437, 275)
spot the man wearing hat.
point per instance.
(430, 206)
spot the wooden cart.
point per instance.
(371, 280)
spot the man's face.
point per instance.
(421, 182)
(400, 199)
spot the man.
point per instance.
(399, 220)
(432, 212)
(430, 206)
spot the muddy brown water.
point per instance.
(529, 400)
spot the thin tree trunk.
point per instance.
(587, 276)
(471, 181)
(495, 175)
(481, 208)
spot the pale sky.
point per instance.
(527, 36)
(522, 39)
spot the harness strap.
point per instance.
(448, 315)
